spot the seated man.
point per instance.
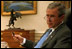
(57, 36)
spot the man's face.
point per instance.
(52, 18)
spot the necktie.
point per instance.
(39, 44)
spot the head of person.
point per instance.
(55, 14)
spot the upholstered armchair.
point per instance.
(67, 19)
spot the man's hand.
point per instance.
(18, 38)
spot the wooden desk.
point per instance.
(6, 35)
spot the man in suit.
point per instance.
(59, 37)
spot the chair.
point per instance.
(68, 18)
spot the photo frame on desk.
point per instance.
(24, 7)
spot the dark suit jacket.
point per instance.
(60, 38)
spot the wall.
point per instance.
(29, 22)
